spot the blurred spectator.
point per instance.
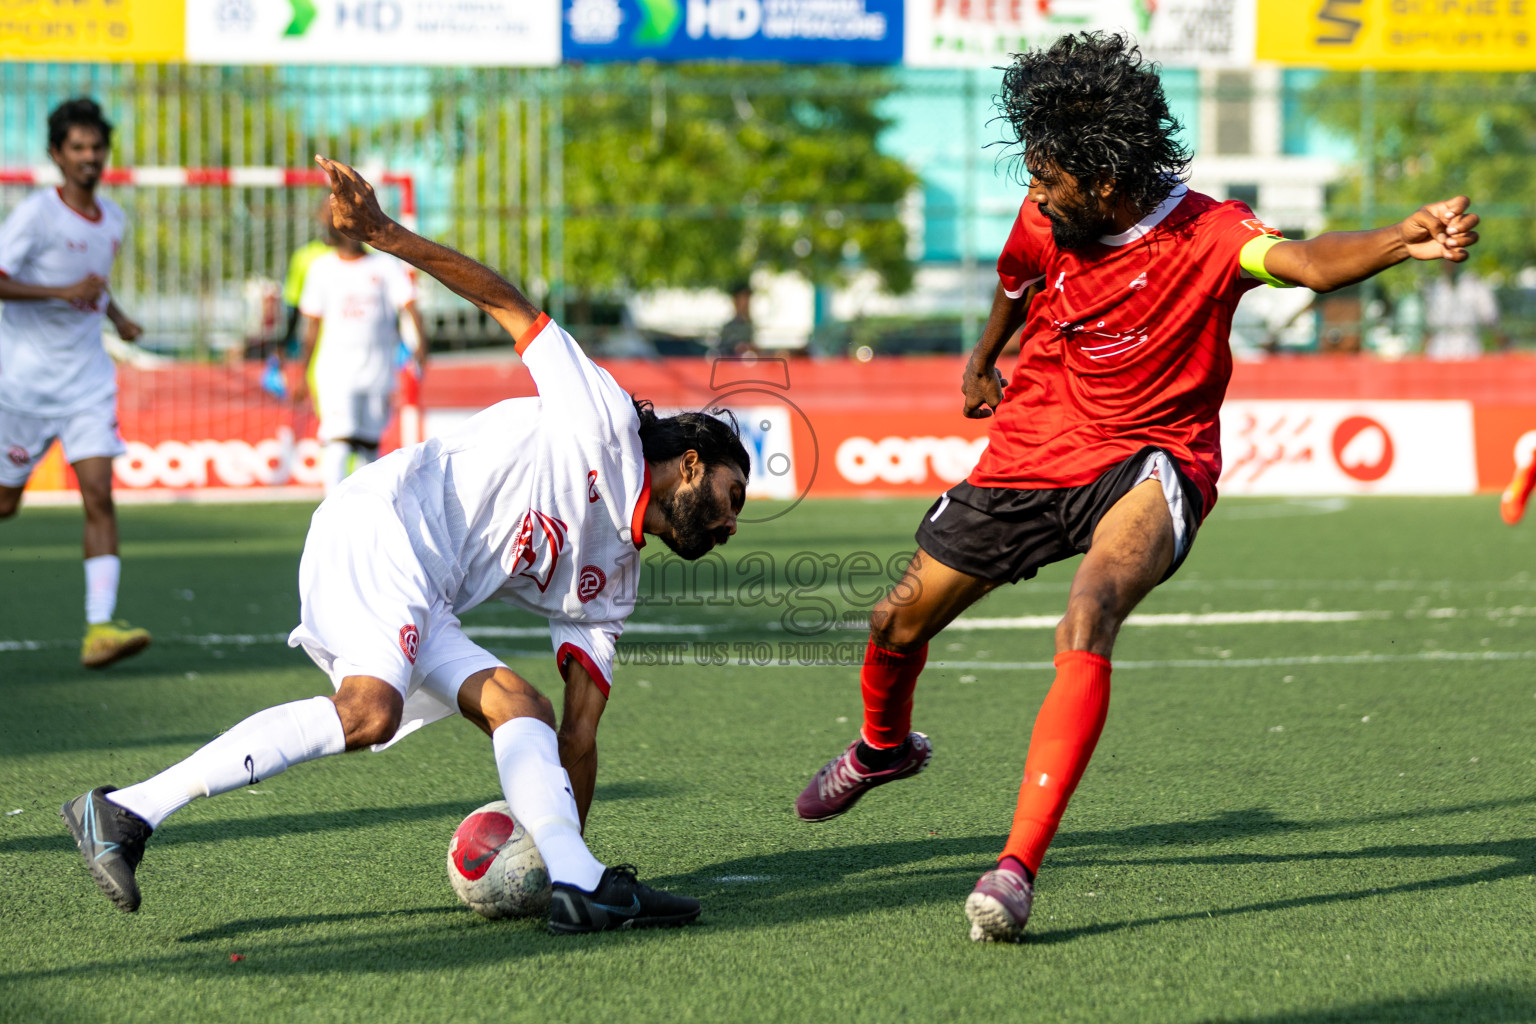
(737, 336)
(1458, 306)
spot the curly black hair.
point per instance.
(82, 111)
(715, 435)
(1092, 107)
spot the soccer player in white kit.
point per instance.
(540, 502)
(356, 298)
(56, 379)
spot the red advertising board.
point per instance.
(841, 428)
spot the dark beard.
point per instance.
(1075, 233)
(688, 512)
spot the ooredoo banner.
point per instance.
(888, 427)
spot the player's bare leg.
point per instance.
(587, 896)
(1131, 550)
(106, 640)
(10, 501)
(925, 600)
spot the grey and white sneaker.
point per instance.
(111, 839)
(998, 908)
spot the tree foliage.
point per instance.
(692, 177)
(1437, 135)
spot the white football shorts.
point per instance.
(91, 433)
(367, 608)
(345, 413)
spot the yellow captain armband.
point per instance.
(1251, 259)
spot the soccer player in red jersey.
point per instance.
(1106, 441)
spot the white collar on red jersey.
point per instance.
(1150, 221)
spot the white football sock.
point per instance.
(262, 746)
(101, 575)
(539, 794)
(335, 464)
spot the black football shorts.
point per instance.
(1006, 534)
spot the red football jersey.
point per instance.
(1124, 346)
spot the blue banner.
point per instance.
(793, 31)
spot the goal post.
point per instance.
(205, 251)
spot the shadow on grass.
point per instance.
(790, 887)
(1486, 1004)
(228, 829)
(634, 790)
(256, 925)
(1519, 856)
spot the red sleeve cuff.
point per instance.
(526, 338)
(585, 660)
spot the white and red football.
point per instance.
(494, 867)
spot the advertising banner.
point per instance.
(1409, 35)
(91, 30)
(840, 428)
(793, 31)
(984, 33)
(1384, 447)
(1506, 436)
(486, 33)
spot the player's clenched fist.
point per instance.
(1440, 231)
(983, 390)
(354, 208)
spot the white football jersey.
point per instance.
(52, 363)
(358, 302)
(538, 502)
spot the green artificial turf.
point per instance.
(1302, 822)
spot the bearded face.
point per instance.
(691, 513)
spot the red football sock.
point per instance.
(1066, 731)
(888, 680)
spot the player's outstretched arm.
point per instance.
(356, 212)
(1439, 231)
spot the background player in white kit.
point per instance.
(351, 305)
(56, 379)
(541, 502)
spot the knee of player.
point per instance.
(508, 696)
(1089, 620)
(368, 715)
(9, 504)
(896, 628)
(98, 504)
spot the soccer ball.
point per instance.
(494, 866)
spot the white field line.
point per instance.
(1177, 619)
(1291, 662)
(1021, 622)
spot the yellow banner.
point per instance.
(1409, 35)
(92, 30)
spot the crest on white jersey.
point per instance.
(590, 582)
(540, 541)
